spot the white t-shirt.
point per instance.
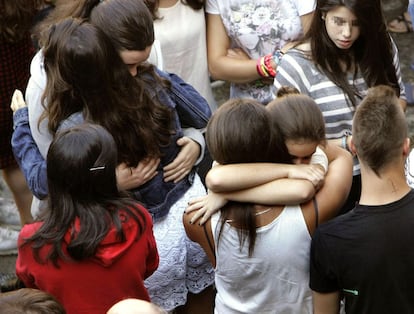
(181, 32)
(260, 27)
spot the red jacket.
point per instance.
(92, 286)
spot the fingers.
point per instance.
(17, 101)
(184, 162)
(176, 174)
(192, 204)
(147, 168)
(183, 141)
(197, 216)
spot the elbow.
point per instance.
(307, 194)
(214, 73)
(214, 181)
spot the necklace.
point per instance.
(256, 214)
(263, 211)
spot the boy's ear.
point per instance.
(406, 147)
(352, 147)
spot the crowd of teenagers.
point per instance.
(138, 193)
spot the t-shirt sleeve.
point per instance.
(212, 7)
(322, 276)
(305, 6)
(291, 72)
(319, 158)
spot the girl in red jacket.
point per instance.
(93, 246)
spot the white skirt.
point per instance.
(184, 266)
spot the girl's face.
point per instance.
(133, 58)
(301, 151)
(342, 27)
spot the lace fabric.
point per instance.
(184, 266)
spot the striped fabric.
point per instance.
(296, 69)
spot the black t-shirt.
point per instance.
(368, 255)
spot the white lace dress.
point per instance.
(184, 267)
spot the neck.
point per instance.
(389, 187)
(167, 3)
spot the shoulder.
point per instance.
(305, 6)
(28, 230)
(141, 211)
(337, 227)
(294, 58)
(304, 47)
(195, 231)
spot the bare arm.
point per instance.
(279, 191)
(243, 176)
(337, 183)
(196, 233)
(335, 190)
(326, 303)
(222, 66)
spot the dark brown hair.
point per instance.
(371, 53)
(81, 164)
(240, 131)
(17, 18)
(85, 73)
(298, 117)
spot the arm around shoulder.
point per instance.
(337, 184)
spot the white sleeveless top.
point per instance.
(181, 31)
(275, 279)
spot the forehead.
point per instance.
(342, 12)
(134, 56)
(301, 148)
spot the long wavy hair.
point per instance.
(371, 53)
(128, 23)
(85, 73)
(16, 18)
(81, 164)
(241, 131)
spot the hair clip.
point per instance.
(97, 168)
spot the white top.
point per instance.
(34, 92)
(319, 157)
(260, 27)
(181, 32)
(275, 278)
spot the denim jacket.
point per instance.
(191, 110)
